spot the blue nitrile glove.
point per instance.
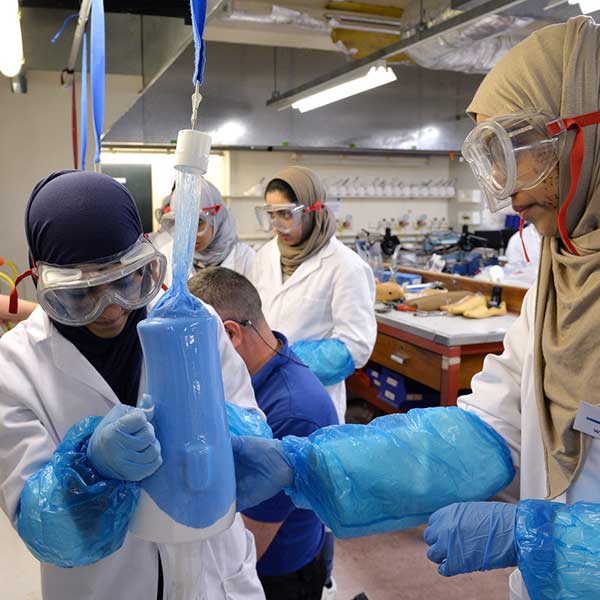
(472, 536)
(260, 470)
(124, 446)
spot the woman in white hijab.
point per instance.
(217, 242)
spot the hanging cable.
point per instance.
(67, 77)
(74, 123)
(84, 111)
(98, 74)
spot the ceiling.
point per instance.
(164, 8)
(303, 24)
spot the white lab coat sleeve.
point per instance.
(245, 256)
(353, 312)
(25, 446)
(496, 395)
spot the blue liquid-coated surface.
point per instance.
(195, 484)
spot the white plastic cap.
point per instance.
(193, 150)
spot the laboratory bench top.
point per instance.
(449, 330)
(441, 352)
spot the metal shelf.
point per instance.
(360, 198)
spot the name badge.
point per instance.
(588, 420)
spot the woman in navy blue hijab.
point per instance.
(77, 217)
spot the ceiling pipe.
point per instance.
(286, 99)
(68, 73)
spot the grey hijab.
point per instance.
(225, 235)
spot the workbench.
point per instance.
(442, 352)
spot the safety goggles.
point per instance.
(283, 218)
(205, 218)
(77, 295)
(514, 153)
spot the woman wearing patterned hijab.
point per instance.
(537, 145)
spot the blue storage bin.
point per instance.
(383, 275)
(393, 389)
(408, 278)
(373, 370)
(374, 373)
(405, 393)
(420, 396)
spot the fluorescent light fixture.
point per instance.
(586, 6)
(374, 77)
(11, 42)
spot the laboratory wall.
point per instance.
(365, 191)
(422, 110)
(36, 140)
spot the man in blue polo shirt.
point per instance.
(288, 540)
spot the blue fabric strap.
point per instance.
(97, 71)
(198, 8)
(84, 101)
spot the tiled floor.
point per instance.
(395, 567)
(19, 571)
(385, 567)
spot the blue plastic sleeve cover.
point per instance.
(330, 360)
(396, 471)
(558, 547)
(243, 421)
(68, 516)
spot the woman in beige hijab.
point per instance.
(533, 394)
(314, 290)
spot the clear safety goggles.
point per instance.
(512, 153)
(77, 295)
(283, 218)
(205, 218)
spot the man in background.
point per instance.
(289, 540)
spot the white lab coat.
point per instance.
(240, 258)
(533, 242)
(331, 295)
(504, 396)
(46, 386)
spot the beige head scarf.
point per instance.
(557, 69)
(319, 227)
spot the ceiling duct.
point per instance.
(279, 15)
(475, 48)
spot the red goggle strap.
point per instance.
(13, 304)
(576, 162)
(316, 207)
(521, 226)
(212, 210)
